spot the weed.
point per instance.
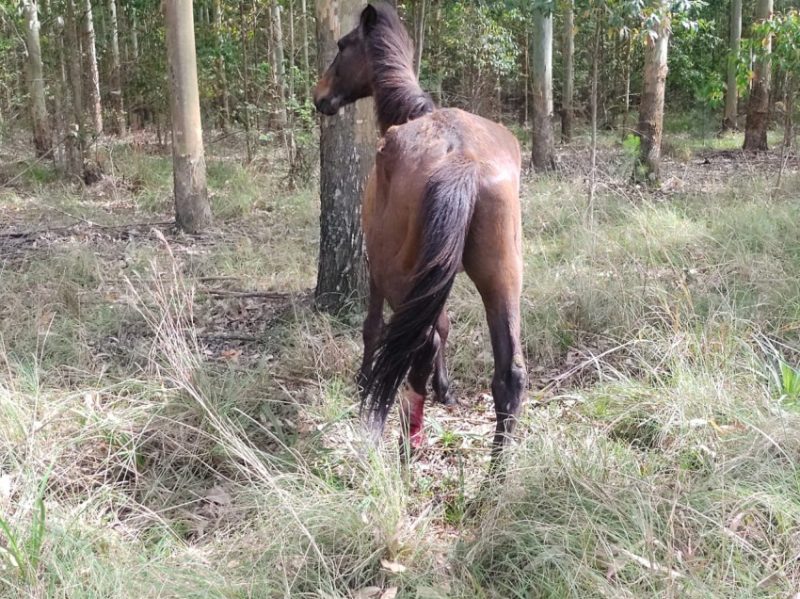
(23, 549)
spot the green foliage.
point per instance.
(631, 145)
(790, 383)
(23, 549)
(785, 30)
(696, 51)
(475, 48)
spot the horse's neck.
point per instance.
(399, 99)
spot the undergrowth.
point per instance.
(145, 453)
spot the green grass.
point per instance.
(139, 458)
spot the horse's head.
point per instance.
(349, 77)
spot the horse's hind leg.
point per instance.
(508, 384)
(441, 380)
(412, 403)
(493, 260)
(371, 332)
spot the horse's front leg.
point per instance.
(371, 333)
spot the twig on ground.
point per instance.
(642, 561)
(223, 337)
(34, 233)
(248, 294)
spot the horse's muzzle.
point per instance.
(328, 106)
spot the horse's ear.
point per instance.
(369, 18)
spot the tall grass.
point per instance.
(656, 457)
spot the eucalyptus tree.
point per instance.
(92, 73)
(42, 141)
(730, 118)
(192, 209)
(755, 129)
(347, 149)
(568, 56)
(651, 106)
(542, 144)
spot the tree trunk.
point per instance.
(347, 150)
(42, 141)
(61, 95)
(277, 62)
(134, 34)
(70, 121)
(729, 120)
(435, 62)
(593, 118)
(306, 64)
(788, 105)
(116, 72)
(542, 154)
(245, 81)
(627, 99)
(755, 128)
(526, 77)
(280, 82)
(569, 72)
(192, 210)
(76, 127)
(224, 96)
(93, 76)
(420, 25)
(651, 107)
(290, 55)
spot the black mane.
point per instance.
(398, 96)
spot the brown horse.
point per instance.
(443, 195)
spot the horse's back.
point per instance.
(408, 156)
(449, 130)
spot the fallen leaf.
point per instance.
(5, 486)
(393, 567)
(368, 593)
(218, 495)
(231, 355)
(389, 593)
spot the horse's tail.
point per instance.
(447, 209)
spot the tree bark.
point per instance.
(116, 73)
(93, 76)
(347, 150)
(542, 154)
(192, 210)
(729, 120)
(42, 141)
(569, 72)
(651, 107)
(755, 129)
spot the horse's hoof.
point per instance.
(414, 446)
(448, 400)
